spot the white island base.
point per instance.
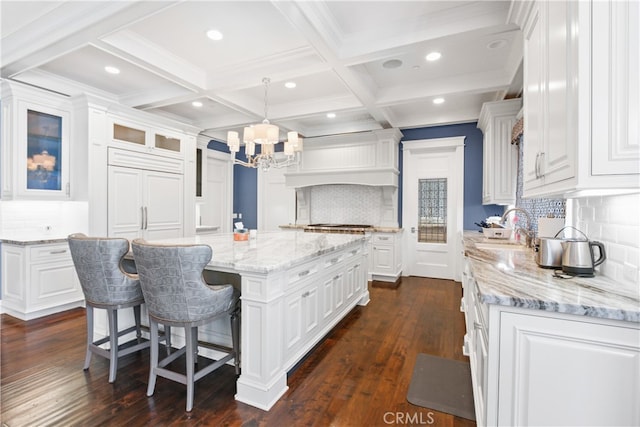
(295, 287)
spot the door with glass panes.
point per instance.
(432, 206)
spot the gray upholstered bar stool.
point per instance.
(177, 295)
(98, 263)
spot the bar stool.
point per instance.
(176, 294)
(98, 263)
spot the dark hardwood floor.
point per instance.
(359, 373)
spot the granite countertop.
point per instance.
(512, 278)
(269, 251)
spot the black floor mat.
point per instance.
(443, 385)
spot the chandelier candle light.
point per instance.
(266, 135)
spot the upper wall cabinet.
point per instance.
(35, 144)
(581, 97)
(499, 157)
(139, 137)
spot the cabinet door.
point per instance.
(163, 205)
(615, 88)
(125, 203)
(565, 372)
(216, 209)
(550, 100)
(301, 317)
(276, 201)
(44, 151)
(54, 283)
(534, 60)
(557, 160)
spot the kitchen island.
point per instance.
(295, 288)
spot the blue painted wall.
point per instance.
(474, 210)
(245, 180)
(245, 188)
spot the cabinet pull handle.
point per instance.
(535, 169)
(334, 260)
(146, 218)
(540, 171)
(477, 325)
(141, 218)
(61, 251)
(337, 277)
(303, 273)
(306, 294)
(383, 238)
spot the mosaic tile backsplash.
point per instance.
(536, 207)
(346, 204)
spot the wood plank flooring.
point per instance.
(358, 376)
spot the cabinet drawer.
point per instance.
(302, 272)
(49, 253)
(383, 238)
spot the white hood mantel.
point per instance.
(374, 177)
(363, 158)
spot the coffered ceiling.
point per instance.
(364, 61)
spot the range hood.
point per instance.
(374, 177)
(363, 158)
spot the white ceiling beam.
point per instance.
(69, 27)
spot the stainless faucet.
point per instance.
(527, 231)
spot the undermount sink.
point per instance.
(504, 246)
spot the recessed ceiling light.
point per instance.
(392, 63)
(497, 44)
(111, 70)
(290, 85)
(214, 35)
(197, 104)
(433, 56)
(331, 115)
(438, 100)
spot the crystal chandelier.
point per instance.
(266, 135)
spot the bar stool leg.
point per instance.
(136, 316)
(153, 363)
(87, 359)
(190, 364)
(113, 343)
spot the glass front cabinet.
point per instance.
(35, 147)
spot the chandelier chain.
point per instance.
(266, 81)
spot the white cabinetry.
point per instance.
(35, 143)
(563, 370)
(276, 201)
(132, 135)
(499, 156)
(581, 95)
(537, 367)
(38, 280)
(146, 200)
(318, 294)
(214, 189)
(386, 263)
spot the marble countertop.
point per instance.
(269, 251)
(30, 238)
(512, 277)
(373, 229)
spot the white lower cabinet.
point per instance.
(536, 367)
(560, 370)
(319, 294)
(386, 264)
(38, 280)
